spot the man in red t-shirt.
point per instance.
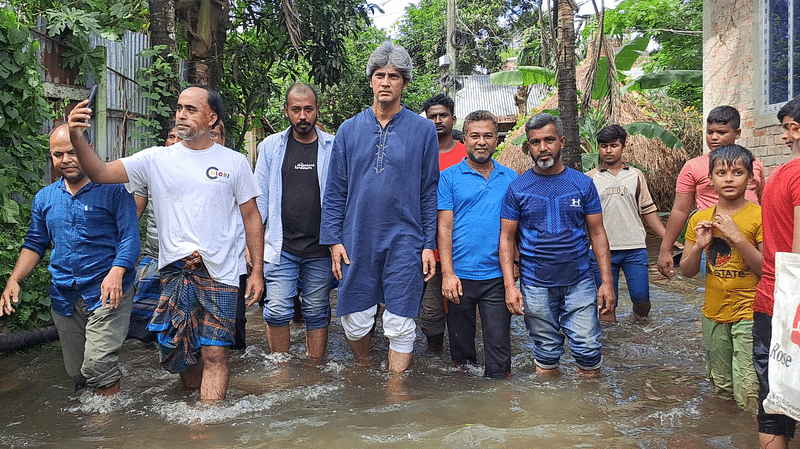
(439, 109)
(780, 209)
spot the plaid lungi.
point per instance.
(193, 311)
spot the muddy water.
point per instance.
(653, 394)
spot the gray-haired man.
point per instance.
(379, 212)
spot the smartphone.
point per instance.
(92, 97)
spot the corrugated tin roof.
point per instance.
(478, 92)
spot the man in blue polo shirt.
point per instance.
(547, 209)
(95, 238)
(470, 196)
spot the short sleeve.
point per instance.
(510, 209)
(794, 184)
(137, 166)
(759, 237)
(592, 199)
(646, 204)
(246, 185)
(687, 181)
(445, 192)
(690, 234)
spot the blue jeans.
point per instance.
(632, 262)
(281, 281)
(571, 309)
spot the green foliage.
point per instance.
(260, 61)
(685, 121)
(160, 84)
(486, 28)
(654, 131)
(665, 78)
(624, 58)
(676, 25)
(79, 54)
(525, 76)
(72, 22)
(23, 109)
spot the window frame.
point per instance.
(765, 107)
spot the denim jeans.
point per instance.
(281, 281)
(571, 309)
(632, 262)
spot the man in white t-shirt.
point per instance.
(197, 187)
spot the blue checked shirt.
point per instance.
(90, 233)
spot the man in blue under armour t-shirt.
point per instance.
(549, 208)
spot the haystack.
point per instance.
(660, 163)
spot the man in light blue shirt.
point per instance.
(470, 197)
(292, 170)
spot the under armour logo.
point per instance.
(576, 202)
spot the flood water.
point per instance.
(652, 394)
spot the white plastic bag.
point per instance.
(784, 352)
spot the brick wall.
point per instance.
(731, 75)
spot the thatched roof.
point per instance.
(661, 164)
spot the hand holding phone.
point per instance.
(92, 98)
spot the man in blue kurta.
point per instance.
(95, 238)
(379, 212)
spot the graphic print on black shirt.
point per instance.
(300, 206)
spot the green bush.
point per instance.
(23, 152)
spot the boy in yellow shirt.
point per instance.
(731, 235)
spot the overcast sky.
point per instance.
(392, 11)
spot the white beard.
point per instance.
(544, 165)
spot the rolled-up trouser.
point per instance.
(400, 331)
(729, 360)
(90, 341)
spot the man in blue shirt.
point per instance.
(547, 210)
(470, 196)
(291, 171)
(95, 237)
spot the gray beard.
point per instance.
(189, 135)
(544, 165)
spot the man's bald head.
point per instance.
(63, 155)
(60, 136)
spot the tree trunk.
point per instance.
(521, 100)
(204, 20)
(162, 32)
(162, 25)
(567, 90)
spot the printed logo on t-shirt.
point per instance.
(616, 190)
(214, 173)
(576, 202)
(304, 166)
(720, 254)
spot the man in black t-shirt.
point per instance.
(291, 171)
